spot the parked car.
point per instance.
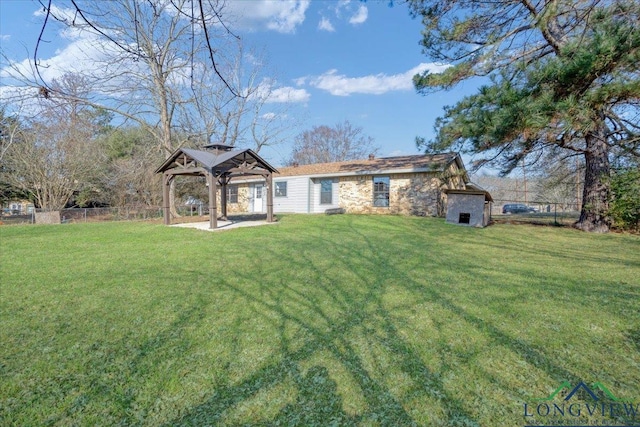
(515, 208)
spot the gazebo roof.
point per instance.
(235, 162)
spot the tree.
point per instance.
(625, 205)
(157, 64)
(214, 114)
(11, 131)
(129, 181)
(560, 181)
(323, 144)
(56, 155)
(564, 75)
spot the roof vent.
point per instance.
(218, 146)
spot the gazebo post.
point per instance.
(223, 198)
(269, 197)
(166, 211)
(213, 209)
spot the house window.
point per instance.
(326, 196)
(281, 189)
(381, 191)
(232, 194)
(464, 218)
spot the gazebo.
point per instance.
(218, 165)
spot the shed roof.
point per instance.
(413, 163)
(471, 188)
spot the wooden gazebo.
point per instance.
(219, 164)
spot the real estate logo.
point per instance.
(581, 406)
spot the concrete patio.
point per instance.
(235, 221)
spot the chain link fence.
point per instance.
(535, 212)
(514, 211)
(79, 215)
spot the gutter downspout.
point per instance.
(309, 186)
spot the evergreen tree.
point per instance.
(564, 74)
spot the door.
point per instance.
(258, 194)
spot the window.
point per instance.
(326, 196)
(464, 218)
(232, 194)
(281, 189)
(381, 191)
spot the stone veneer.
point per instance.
(244, 198)
(409, 194)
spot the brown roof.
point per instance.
(422, 162)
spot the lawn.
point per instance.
(318, 320)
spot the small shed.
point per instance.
(470, 206)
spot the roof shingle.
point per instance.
(435, 162)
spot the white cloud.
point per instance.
(4, 37)
(61, 14)
(360, 16)
(340, 5)
(288, 94)
(81, 55)
(269, 91)
(282, 16)
(269, 116)
(326, 25)
(301, 81)
(378, 84)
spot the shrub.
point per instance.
(625, 204)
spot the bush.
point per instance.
(625, 204)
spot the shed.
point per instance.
(470, 206)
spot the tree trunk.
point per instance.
(595, 195)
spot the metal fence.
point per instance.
(535, 212)
(78, 215)
(502, 211)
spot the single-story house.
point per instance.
(406, 185)
(470, 206)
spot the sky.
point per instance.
(332, 60)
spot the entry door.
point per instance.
(258, 198)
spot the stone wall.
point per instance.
(244, 199)
(409, 194)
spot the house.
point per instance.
(405, 185)
(470, 206)
(18, 207)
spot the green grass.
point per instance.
(318, 320)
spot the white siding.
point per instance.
(316, 206)
(297, 199)
(472, 204)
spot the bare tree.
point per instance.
(10, 130)
(56, 155)
(323, 144)
(158, 63)
(215, 114)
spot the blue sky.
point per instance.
(336, 60)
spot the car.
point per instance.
(515, 208)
